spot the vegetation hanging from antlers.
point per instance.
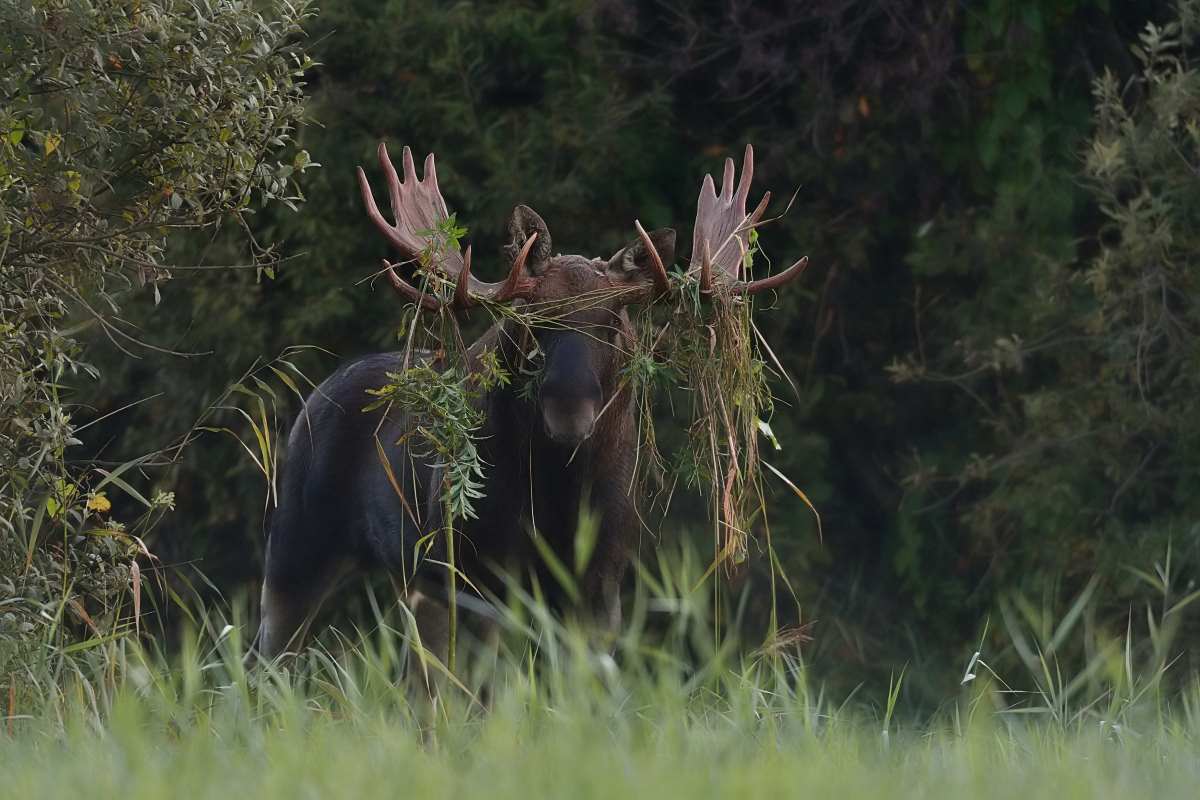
(709, 355)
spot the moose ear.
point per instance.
(635, 258)
(524, 223)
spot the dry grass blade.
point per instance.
(135, 580)
(787, 638)
(799, 493)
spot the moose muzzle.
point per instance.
(571, 397)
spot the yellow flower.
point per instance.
(98, 502)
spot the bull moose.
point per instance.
(549, 454)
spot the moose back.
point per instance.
(549, 455)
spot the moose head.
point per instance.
(582, 302)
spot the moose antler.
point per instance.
(721, 234)
(418, 208)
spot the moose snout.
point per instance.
(569, 417)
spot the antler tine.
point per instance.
(390, 178)
(409, 292)
(772, 282)
(515, 286)
(662, 284)
(743, 190)
(406, 160)
(430, 172)
(462, 298)
(706, 270)
(368, 197)
(754, 216)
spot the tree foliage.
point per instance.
(1091, 402)
(121, 124)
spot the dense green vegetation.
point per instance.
(121, 127)
(995, 348)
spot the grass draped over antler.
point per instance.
(706, 350)
(708, 357)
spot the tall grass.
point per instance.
(542, 708)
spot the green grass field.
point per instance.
(668, 710)
(588, 749)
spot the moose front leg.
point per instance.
(602, 592)
(610, 559)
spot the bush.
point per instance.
(122, 125)
(1092, 453)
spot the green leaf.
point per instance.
(764, 427)
(556, 566)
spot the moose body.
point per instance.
(550, 456)
(339, 511)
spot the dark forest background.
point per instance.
(995, 343)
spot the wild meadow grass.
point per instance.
(671, 708)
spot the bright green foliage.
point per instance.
(442, 400)
(120, 124)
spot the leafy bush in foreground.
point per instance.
(121, 124)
